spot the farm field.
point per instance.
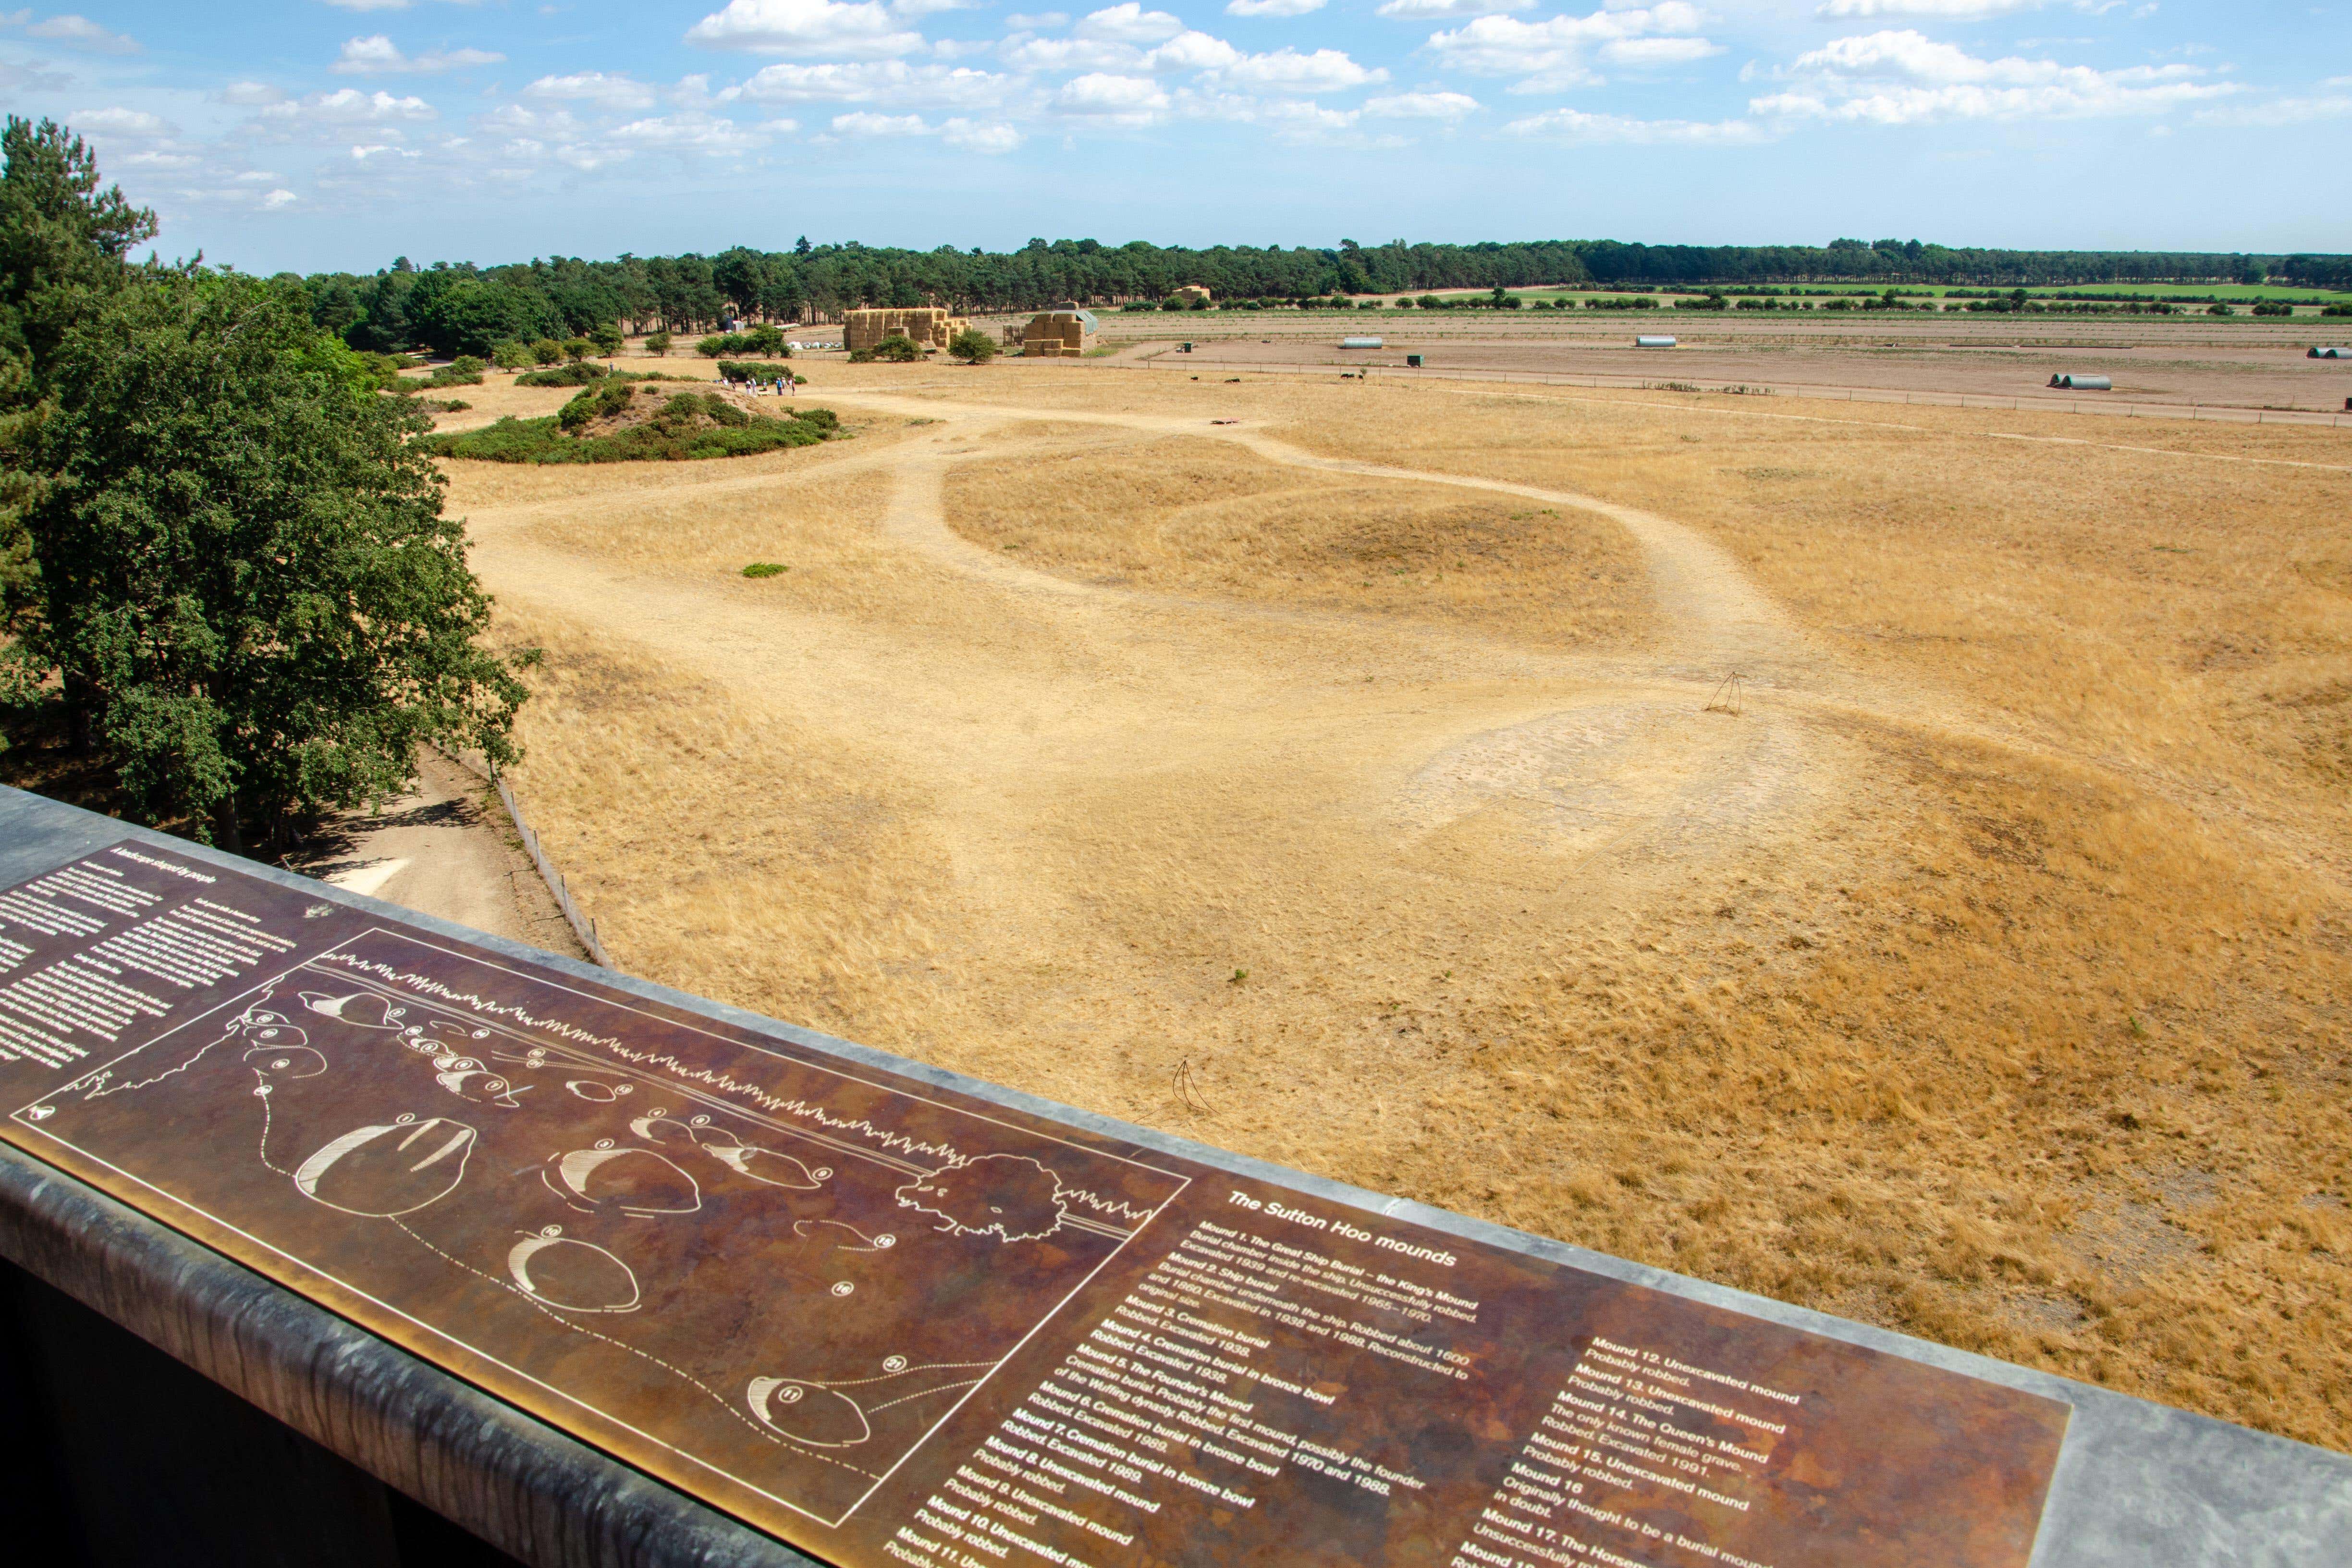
(1893, 859)
(2232, 364)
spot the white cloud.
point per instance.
(972, 136)
(1129, 24)
(1074, 54)
(1902, 77)
(1193, 52)
(1021, 24)
(1571, 125)
(350, 106)
(369, 5)
(862, 30)
(1422, 106)
(865, 122)
(1550, 53)
(378, 56)
(1447, 10)
(121, 123)
(1949, 10)
(382, 150)
(274, 200)
(76, 32)
(2280, 111)
(1641, 54)
(1116, 99)
(153, 159)
(251, 92)
(21, 78)
(1272, 7)
(610, 92)
(1289, 71)
(878, 81)
(691, 131)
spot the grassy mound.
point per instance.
(608, 423)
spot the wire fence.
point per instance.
(574, 916)
(2089, 403)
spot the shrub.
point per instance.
(658, 344)
(2268, 309)
(577, 348)
(1403, 304)
(2220, 310)
(1198, 303)
(547, 351)
(463, 371)
(1431, 303)
(765, 569)
(1171, 304)
(509, 355)
(760, 340)
(2335, 309)
(896, 348)
(973, 346)
(676, 434)
(752, 370)
(607, 339)
(578, 373)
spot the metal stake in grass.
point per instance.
(1727, 697)
(1187, 1092)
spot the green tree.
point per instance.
(577, 348)
(606, 336)
(509, 355)
(62, 243)
(973, 346)
(547, 351)
(658, 344)
(246, 573)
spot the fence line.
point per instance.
(582, 926)
(2191, 411)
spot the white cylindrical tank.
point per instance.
(1360, 342)
(2328, 353)
(1654, 342)
(2068, 382)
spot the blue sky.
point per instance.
(320, 134)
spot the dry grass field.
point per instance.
(1975, 963)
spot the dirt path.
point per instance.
(438, 851)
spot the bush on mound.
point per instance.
(753, 370)
(580, 373)
(685, 427)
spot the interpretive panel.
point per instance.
(889, 1322)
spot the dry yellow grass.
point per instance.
(1190, 515)
(1982, 974)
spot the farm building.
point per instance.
(1058, 332)
(928, 326)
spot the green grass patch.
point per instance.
(765, 569)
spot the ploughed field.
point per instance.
(1893, 859)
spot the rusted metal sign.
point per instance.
(889, 1322)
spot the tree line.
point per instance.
(225, 570)
(461, 308)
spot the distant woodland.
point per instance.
(460, 307)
